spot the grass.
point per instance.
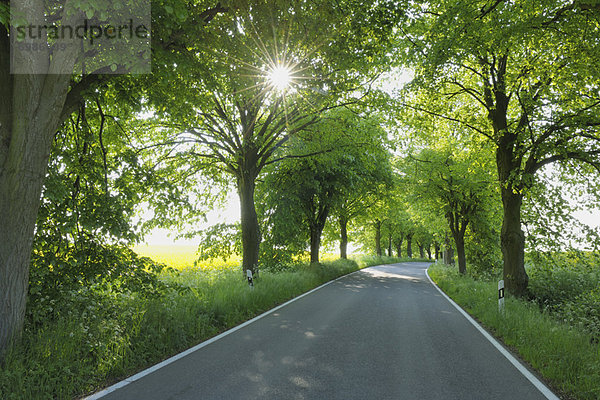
(567, 357)
(115, 334)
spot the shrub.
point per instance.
(568, 286)
(59, 281)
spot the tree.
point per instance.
(325, 166)
(453, 182)
(519, 75)
(372, 174)
(33, 104)
(238, 116)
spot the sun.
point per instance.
(280, 77)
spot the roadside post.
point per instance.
(250, 280)
(501, 296)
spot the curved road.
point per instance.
(381, 333)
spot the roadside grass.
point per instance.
(119, 333)
(567, 357)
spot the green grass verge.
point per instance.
(568, 358)
(118, 334)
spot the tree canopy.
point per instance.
(283, 102)
(519, 75)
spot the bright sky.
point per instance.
(230, 214)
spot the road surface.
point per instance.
(381, 333)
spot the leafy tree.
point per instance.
(520, 75)
(220, 241)
(33, 106)
(241, 117)
(453, 183)
(548, 214)
(387, 217)
(348, 156)
(371, 174)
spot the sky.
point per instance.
(229, 214)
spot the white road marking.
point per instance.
(516, 363)
(176, 357)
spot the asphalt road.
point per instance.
(382, 333)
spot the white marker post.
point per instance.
(249, 275)
(501, 296)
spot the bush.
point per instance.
(89, 336)
(567, 285)
(371, 260)
(61, 281)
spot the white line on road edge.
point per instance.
(532, 378)
(176, 357)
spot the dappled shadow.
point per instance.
(321, 355)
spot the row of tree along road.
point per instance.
(279, 101)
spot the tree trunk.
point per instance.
(428, 248)
(249, 224)
(512, 238)
(315, 245)
(390, 246)
(378, 238)
(18, 211)
(399, 247)
(513, 245)
(30, 110)
(459, 241)
(510, 176)
(436, 246)
(316, 230)
(421, 250)
(448, 252)
(343, 237)
(25, 145)
(409, 245)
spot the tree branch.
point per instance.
(450, 119)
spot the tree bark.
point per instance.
(421, 251)
(343, 237)
(399, 247)
(315, 245)
(437, 250)
(459, 241)
(24, 150)
(251, 236)
(428, 248)
(458, 226)
(409, 245)
(378, 238)
(316, 230)
(513, 245)
(448, 252)
(512, 238)
(390, 246)
(510, 176)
